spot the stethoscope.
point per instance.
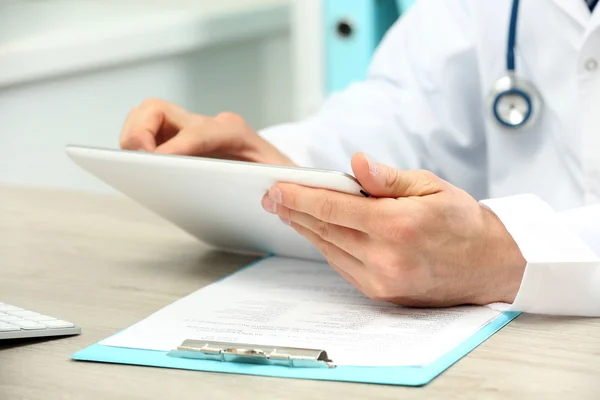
(515, 103)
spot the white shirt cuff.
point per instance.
(562, 276)
(289, 140)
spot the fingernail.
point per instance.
(372, 166)
(269, 205)
(275, 195)
(285, 221)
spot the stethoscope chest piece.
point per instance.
(515, 103)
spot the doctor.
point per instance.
(477, 133)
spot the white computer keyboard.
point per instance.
(16, 322)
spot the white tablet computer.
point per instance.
(217, 201)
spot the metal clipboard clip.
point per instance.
(254, 354)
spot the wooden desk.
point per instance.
(105, 263)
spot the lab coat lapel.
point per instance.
(595, 23)
(576, 9)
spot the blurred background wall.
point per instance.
(70, 70)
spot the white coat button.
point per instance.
(591, 64)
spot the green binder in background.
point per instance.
(353, 29)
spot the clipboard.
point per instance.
(286, 362)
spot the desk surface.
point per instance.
(105, 263)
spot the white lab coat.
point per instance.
(424, 105)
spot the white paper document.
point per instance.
(294, 303)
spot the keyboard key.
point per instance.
(16, 321)
(4, 327)
(39, 317)
(6, 307)
(10, 318)
(57, 324)
(22, 313)
(28, 325)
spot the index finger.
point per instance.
(329, 206)
(147, 121)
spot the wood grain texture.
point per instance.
(105, 263)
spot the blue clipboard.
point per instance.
(405, 376)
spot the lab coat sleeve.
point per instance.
(562, 250)
(418, 108)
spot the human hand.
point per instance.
(419, 241)
(163, 127)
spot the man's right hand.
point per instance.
(162, 127)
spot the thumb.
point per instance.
(381, 180)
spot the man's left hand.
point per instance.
(419, 241)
